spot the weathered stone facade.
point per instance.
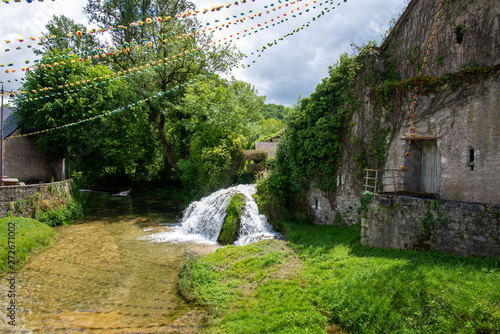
(456, 124)
(23, 161)
(467, 35)
(11, 194)
(460, 228)
(464, 126)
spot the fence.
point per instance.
(383, 180)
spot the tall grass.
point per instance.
(369, 290)
(30, 236)
(324, 275)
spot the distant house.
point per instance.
(22, 160)
(269, 146)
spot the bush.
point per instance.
(255, 155)
(255, 167)
(230, 230)
(52, 206)
(272, 197)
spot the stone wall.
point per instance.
(464, 122)
(460, 228)
(11, 194)
(467, 35)
(462, 116)
(23, 161)
(269, 147)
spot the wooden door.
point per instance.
(430, 167)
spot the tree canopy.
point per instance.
(184, 54)
(190, 124)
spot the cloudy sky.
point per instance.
(289, 69)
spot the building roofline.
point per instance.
(398, 24)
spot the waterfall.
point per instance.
(203, 220)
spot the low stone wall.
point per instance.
(333, 208)
(11, 194)
(460, 228)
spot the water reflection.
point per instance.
(101, 276)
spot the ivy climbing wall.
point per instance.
(456, 113)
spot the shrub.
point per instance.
(255, 155)
(230, 230)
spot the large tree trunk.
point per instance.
(160, 126)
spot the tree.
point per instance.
(70, 91)
(62, 34)
(184, 52)
(274, 111)
(218, 115)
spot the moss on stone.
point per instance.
(230, 230)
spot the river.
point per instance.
(103, 276)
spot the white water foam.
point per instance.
(202, 221)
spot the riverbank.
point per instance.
(105, 274)
(322, 279)
(26, 236)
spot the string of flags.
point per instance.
(101, 55)
(137, 103)
(97, 53)
(417, 88)
(114, 76)
(19, 1)
(305, 25)
(126, 48)
(8, 93)
(271, 23)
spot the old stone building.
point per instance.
(22, 160)
(454, 150)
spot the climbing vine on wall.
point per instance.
(311, 146)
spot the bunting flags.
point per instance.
(305, 25)
(137, 103)
(117, 76)
(19, 1)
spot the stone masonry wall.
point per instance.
(461, 116)
(23, 161)
(467, 35)
(460, 228)
(11, 194)
(462, 121)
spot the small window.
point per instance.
(471, 159)
(317, 204)
(459, 33)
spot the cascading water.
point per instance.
(203, 220)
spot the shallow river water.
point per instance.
(103, 276)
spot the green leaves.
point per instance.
(116, 144)
(311, 147)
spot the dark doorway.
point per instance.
(422, 167)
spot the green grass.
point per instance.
(30, 236)
(230, 230)
(323, 275)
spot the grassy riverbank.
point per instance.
(29, 236)
(323, 276)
